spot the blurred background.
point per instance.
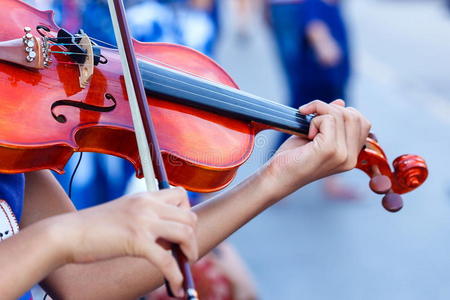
(311, 247)
(388, 58)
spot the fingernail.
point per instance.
(301, 107)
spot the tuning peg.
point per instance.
(382, 184)
(379, 183)
(392, 202)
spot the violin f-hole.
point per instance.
(60, 118)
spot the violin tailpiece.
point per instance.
(28, 51)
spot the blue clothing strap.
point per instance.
(12, 188)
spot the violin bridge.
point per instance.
(29, 51)
(87, 68)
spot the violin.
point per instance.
(66, 93)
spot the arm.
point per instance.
(56, 236)
(337, 136)
(27, 258)
(120, 278)
(325, 46)
(128, 277)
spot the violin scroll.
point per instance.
(410, 171)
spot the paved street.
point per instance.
(308, 247)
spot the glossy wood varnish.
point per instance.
(201, 150)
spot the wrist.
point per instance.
(270, 184)
(279, 181)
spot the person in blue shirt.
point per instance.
(286, 19)
(324, 54)
(313, 46)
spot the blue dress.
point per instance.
(12, 191)
(307, 78)
(315, 80)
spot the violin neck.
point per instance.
(196, 92)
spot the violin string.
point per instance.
(222, 94)
(270, 116)
(291, 115)
(70, 53)
(69, 63)
(113, 47)
(137, 55)
(294, 111)
(144, 57)
(229, 96)
(68, 44)
(226, 87)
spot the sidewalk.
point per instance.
(307, 247)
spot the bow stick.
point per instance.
(149, 151)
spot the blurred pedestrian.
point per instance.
(243, 9)
(286, 19)
(325, 54)
(313, 46)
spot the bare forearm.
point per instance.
(318, 34)
(26, 258)
(226, 213)
(326, 48)
(129, 278)
(120, 278)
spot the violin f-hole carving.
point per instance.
(60, 118)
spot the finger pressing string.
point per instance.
(338, 102)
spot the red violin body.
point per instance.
(202, 150)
